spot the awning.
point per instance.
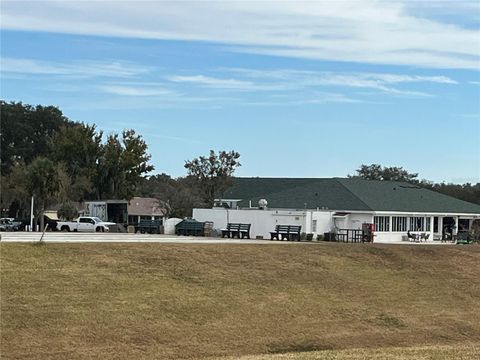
(52, 215)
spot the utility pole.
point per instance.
(31, 216)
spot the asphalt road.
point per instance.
(66, 237)
(70, 237)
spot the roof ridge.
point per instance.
(351, 192)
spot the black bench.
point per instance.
(149, 226)
(286, 232)
(238, 230)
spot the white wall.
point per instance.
(324, 222)
(263, 221)
(356, 220)
(390, 236)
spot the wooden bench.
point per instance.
(149, 226)
(238, 230)
(286, 232)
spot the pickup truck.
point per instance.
(84, 224)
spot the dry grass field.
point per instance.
(459, 352)
(158, 301)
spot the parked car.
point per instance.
(9, 224)
(84, 224)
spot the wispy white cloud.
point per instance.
(128, 79)
(317, 98)
(291, 79)
(77, 68)
(315, 76)
(468, 116)
(129, 90)
(227, 83)
(176, 139)
(368, 31)
(213, 82)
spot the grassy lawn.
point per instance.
(158, 301)
(459, 352)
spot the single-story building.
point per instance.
(140, 208)
(338, 204)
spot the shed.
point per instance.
(141, 208)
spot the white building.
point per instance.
(326, 205)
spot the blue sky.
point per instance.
(300, 89)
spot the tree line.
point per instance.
(46, 155)
(468, 192)
(61, 162)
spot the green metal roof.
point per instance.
(346, 194)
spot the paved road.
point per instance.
(65, 237)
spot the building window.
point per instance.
(399, 223)
(314, 226)
(427, 223)
(132, 220)
(419, 223)
(382, 223)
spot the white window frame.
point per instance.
(399, 224)
(382, 223)
(424, 223)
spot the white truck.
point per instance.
(84, 224)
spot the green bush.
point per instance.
(67, 211)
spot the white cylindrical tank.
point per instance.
(262, 204)
(169, 225)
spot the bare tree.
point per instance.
(214, 173)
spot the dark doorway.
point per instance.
(448, 228)
(435, 224)
(117, 212)
(463, 225)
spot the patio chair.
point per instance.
(424, 236)
(411, 237)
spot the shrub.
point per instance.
(67, 211)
